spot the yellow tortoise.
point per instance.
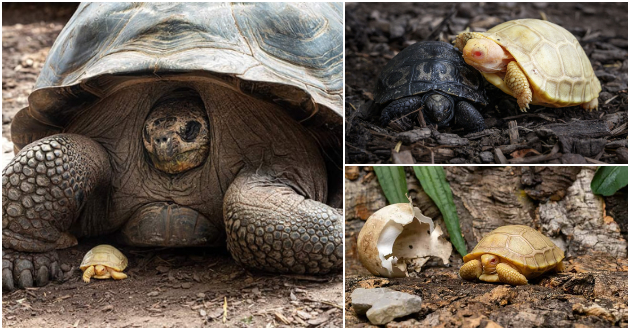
(512, 255)
(535, 61)
(102, 262)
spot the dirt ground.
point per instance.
(376, 32)
(165, 288)
(591, 292)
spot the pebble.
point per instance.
(202, 312)
(186, 285)
(107, 308)
(153, 293)
(382, 305)
(201, 295)
(65, 267)
(486, 157)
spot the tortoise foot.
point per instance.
(273, 228)
(23, 270)
(509, 275)
(403, 111)
(469, 118)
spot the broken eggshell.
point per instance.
(399, 235)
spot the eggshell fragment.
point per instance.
(399, 235)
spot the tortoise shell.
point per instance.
(531, 252)
(290, 54)
(426, 66)
(556, 66)
(105, 255)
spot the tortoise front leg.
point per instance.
(517, 82)
(87, 274)
(116, 274)
(471, 270)
(509, 275)
(271, 227)
(44, 188)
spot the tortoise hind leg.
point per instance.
(271, 227)
(44, 188)
(591, 105)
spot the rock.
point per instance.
(153, 293)
(381, 305)
(486, 157)
(186, 285)
(202, 313)
(65, 267)
(403, 157)
(107, 308)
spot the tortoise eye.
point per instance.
(191, 130)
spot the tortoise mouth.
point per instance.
(180, 162)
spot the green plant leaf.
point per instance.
(609, 179)
(393, 182)
(434, 183)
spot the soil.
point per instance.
(166, 287)
(592, 291)
(376, 32)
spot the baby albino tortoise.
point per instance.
(535, 61)
(104, 261)
(512, 255)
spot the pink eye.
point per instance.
(477, 54)
(493, 260)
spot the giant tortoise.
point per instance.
(183, 124)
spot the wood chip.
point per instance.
(282, 318)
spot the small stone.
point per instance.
(153, 293)
(65, 267)
(202, 313)
(216, 313)
(186, 285)
(201, 295)
(486, 157)
(107, 308)
(382, 305)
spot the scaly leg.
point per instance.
(471, 270)
(517, 81)
(44, 188)
(271, 227)
(509, 275)
(87, 274)
(116, 274)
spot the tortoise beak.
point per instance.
(165, 146)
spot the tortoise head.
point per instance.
(486, 55)
(439, 108)
(100, 270)
(176, 132)
(489, 263)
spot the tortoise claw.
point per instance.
(7, 279)
(25, 279)
(23, 270)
